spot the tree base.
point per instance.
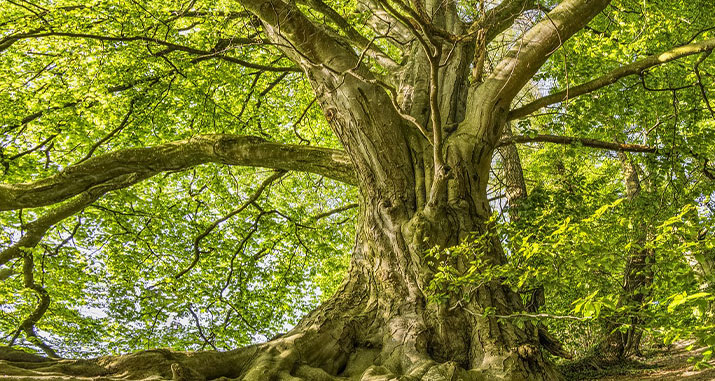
(251, 363)
(331, 351)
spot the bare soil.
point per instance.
(668, 364)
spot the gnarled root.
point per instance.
(345, 339)
(308, 355)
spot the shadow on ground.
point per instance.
(667, 364)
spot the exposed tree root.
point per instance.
(269, 365)
(327, 345)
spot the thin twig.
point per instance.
(197, 241)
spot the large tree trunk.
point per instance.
(381, 324)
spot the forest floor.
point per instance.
(659, 364)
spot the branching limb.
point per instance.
(416, 29)
(610, 78)
(31, 150)
(334, 211)
(499, 18)
(36, 115)
(700, 82)
(339, 78)
(9, 40)
(170, 46)
(107, 137)
(312, 44)
(357, 39)
(28, 325)
(176, 156)
(421, 27)
(204, 14)
(201, 331)
(586, 142)
(197, 241)
(419, 16)
(241, 246)
(37, 229)
(539, 42)
(167, 44)
(520, 64)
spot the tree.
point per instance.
(637, 278)
(418, 107)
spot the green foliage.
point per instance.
(564, 239)
(580, 263)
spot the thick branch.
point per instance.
(610, 78)
(360, 41)
(520, 64)
(501, 17)
(620, 147)
(203, 54)
(180, 155)
(353, 98)
(36, 230)
(313, 44)
(539, 42)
